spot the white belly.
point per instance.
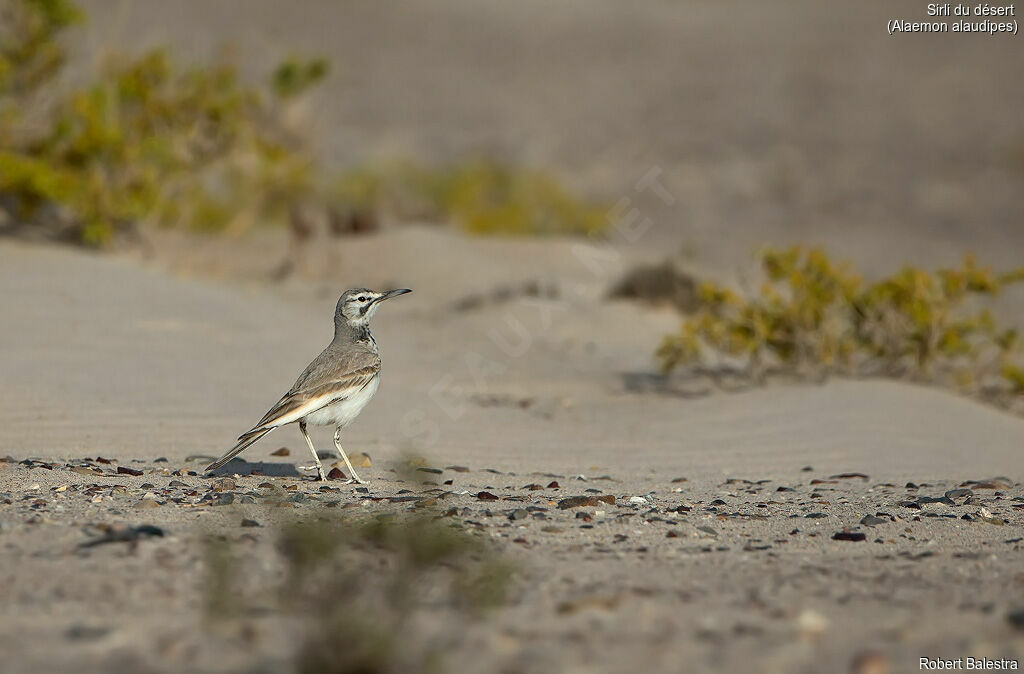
(343, 412)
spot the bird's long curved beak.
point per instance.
(393, 293)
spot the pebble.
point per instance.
(852, 536)
(486, 496)
(283, 451)
(246, 523)
(988, 517)
(147, 503)
(226, 498)
(869, 662)
(336, 474)
(125, 470)
(638, 500)
(223, 484)
(811, 624)
(873, 521)
(585, 501)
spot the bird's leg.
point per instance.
(319, 466)
(351, 470)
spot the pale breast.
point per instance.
(343, 412)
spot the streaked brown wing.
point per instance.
(317, 397)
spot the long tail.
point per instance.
(244, 441)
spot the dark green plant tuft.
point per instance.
(365, 590)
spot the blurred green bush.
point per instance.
(816, 317)
(147, 140)
(480, 196)
(150, 141)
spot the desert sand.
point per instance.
(510, 372)
(154, 366)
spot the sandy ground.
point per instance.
(767, 122)
(153, 366)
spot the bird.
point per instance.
(336, 386)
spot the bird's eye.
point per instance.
(362, 298)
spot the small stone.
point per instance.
(852, 536)
(226, 498)
(457, 469)
(925, 500)
(671, 534)
(553, 485)
(638, 500)
(990, 483)
(811, 624)
(434, 471)
(848, 476)
(298, 498)
(361, 460)
(959, 493)
(266, 485)
(872, 521)
(125, 470)
(283, 451)
(223, 484)
(176, 483)
(486, 496)
(249, 523)
(717, 502)
(678, 480)
(1016, 619)
(869, 662)
(80, 632)
(577, 502)
(815, 516)
(807, 469)
(147, 503)
(518, 514)
(85, 470)
(336, 474)
(708, 530)
(988, 517)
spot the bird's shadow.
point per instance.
(243, 467)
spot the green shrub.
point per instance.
(151, 142)
(814, 316)
(482, 197)
(146, 141)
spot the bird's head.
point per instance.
(358, 305)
